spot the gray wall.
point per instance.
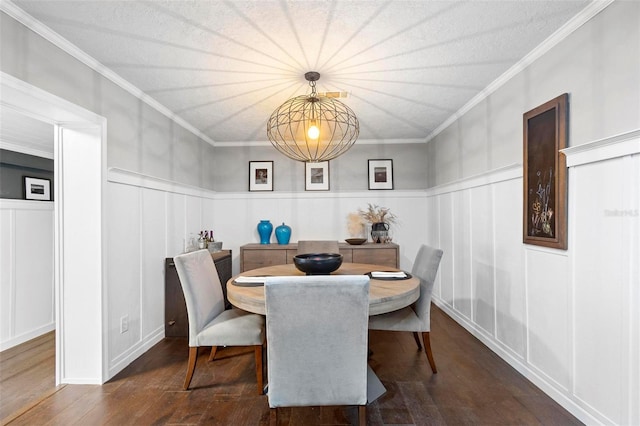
(14, 166)
(598, 65)
(139, 138)
(348, 172)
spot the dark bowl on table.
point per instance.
(318, 263)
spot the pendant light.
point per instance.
(313, 128)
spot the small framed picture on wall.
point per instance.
(37, 189)
(380, 174)
(316, 176)
(260, 175)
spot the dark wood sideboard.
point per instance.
(254, 256)
(176, 322)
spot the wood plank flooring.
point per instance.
(473, 386)
(27, 374)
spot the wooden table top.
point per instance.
(384, 295)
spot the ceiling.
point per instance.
(224, 66)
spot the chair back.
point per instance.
(425, 267)
(317, 350)
(318, 246)
(202, 290)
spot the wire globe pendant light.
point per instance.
(313, 128)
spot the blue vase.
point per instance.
(264, 230)
(283, 234)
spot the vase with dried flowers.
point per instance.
(379, 218)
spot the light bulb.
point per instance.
(313, 132)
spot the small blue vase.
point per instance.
(283, 234)
(264, 230)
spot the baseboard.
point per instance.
(122, 361)
(15, 341)
(561, 398)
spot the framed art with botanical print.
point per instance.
(545, 174)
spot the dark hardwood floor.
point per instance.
(473, 386)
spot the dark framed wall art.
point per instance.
(380, 174)
(545, 174)
(260, 175)
(37, 189)
(316, 176)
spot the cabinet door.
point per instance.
(252, 259)
(383, 256)
(176, 322)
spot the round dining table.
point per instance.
(385, 294)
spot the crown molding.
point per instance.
(56, 39)
(591, 10)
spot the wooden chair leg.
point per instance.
(273, 416)
(427, 350)
(417, 339)
(362, 415)
(212, 355)
(259, 374)
(191, 367)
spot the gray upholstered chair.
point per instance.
(317, 350)
(417, 317)
(318, 246)
(209, 323)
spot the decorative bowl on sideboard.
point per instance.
(356, 241)
(318, 263)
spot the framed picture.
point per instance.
(380, 174)
(260, 175)
(316, 176)
(545, 174)
(37, 189)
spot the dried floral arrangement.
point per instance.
(377, 214)
(355, 225)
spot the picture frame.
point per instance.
(37, 189)
(545, 127)
(316, 176)
(260, 175)
(381, 174)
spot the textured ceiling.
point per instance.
(223, 67)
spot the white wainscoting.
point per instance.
(26, 271)
(567, 320)
(317, 215)
(149, 220)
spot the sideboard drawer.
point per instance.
(253, 259)
(381, 256)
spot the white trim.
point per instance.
(235, 144)
(275, 195)
(11, 204)
(128, 177)
(627, 143)
(529, 373)
(512, 171)
(48, 34)
(563, 32)
(134, 352)
(26, 150)
(25, 337)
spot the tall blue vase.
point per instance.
(283, 233)
(264, 230)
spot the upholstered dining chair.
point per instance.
(318, 246)
(417, 317)
(317, 350)
(209, 323)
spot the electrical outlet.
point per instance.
(124, 324)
